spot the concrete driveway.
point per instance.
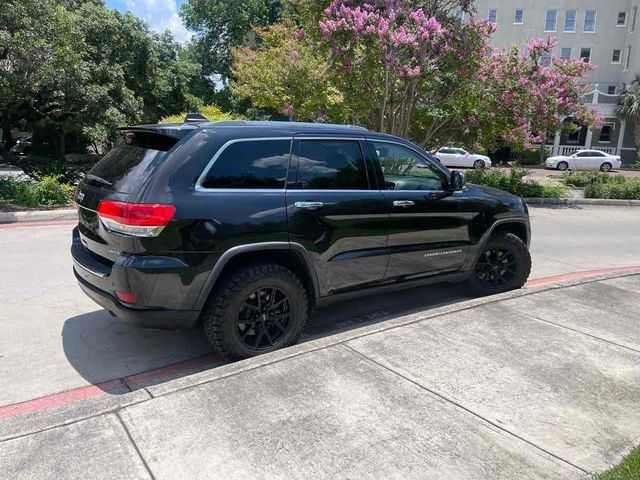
(543, 383)
(54, 340)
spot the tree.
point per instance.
(221, 25)
(629, 108)
(287, 75)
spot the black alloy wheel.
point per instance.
(264, 318)
(496, 267)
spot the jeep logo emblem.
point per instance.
(80, 196)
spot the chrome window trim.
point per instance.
(203, 175)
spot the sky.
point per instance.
(159, 14)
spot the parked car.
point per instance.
(458, 157)
(246, 227)
(585, 160)
(23, 147)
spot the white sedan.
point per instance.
(585, 160)
(457, 157)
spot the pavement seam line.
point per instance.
(135, 446)
(462, 407)
(580, 332)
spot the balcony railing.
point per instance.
(571, 149)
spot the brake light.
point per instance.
(136, 219)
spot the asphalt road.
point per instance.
(54, 339)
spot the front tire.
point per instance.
(562, 166)
(258, 309)
(606, 167)
(503, 265)
(478, 164)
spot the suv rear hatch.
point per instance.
(117, 179)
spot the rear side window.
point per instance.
(130, 162)
(331, 165)
(251, 164)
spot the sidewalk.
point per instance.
(538, 383)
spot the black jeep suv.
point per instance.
(246, 227)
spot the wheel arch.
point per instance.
(518, 226)
(290, 255)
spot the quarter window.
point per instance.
(251, 165)
(570, 21)
(518, 16)
(550, 21)
(590, 21)
(404, 169)
(331, 165)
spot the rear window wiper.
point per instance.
(98, 179)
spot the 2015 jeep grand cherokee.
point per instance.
(245, 227)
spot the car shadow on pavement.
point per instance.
(118, 358)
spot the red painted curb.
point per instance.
(143, 379)
(37, 224)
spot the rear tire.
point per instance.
(562, 166)
(503, 265)
(606, 167)
(258, 309)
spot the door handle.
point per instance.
(403, 203)
(309, 205)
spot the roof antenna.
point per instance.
(195, 117)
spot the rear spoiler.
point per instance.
(176, 131)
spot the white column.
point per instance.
(556, 144)
(623, 127)
(587, 142)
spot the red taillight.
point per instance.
(126, 297)
(138, 219)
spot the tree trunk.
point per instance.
(543, 145)
(636, 138)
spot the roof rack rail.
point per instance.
(195, 117)
(238, 123)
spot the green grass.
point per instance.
(628, 469)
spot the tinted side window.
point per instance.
(331, 165)
(251, 164)
(404, 169)
(583, 154)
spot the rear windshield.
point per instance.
(130, 162)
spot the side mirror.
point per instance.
(457, 181)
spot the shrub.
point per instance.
(513, 182)
(529, 156)
(212, 112)
(613, 187)
(38, 167)
(49, 191)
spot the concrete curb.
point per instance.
(570, 202)
(41, 420)
(39, 215)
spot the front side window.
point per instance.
(550, 22)
(404, 169)
(250, 165)
(570, 21)
(622, 19)
(518, 16)
(331, 165)
(590, 21)
(585, 54)
(493, 15)
(565, 53)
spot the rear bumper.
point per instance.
(147, 318)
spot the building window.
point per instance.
(611, 89)
(617, 54)
(565, 53)
(545, 60)
(605, 132)
(622, 19)
(585, 54)
(627, 59)
(590, 21)
(570, 21)
(574, 135)
(550, 22)
(518, 17)
(492, 16)
(461, 16)
(634, 13)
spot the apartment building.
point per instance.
(607, 33)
